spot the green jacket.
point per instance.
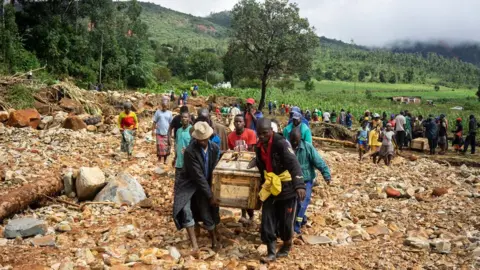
(304, 130)
(309, 159)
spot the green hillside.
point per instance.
(171, 27)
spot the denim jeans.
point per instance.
(301, 218)
(188, 220)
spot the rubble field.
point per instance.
(415, 214)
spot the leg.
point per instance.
(268, 229)
(302, 207)
(467, 142)
(473, 142)
(189, 224)
(251, 214)
(286, 216)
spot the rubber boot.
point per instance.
(271, 253)
(285, 249)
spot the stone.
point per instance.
(147, 203)
(133, 258)
(91, 128)
(44, 241)
(63, 227)
(123, 189)
(85, 254)
(68, 181)
(141, 155)
(160, 171)
(316, 239)
(437, 192)
(262, 250)
(89, 182)
(24, 227)
(71, 105)
(24, 118)
(378, 230)
(4, 115)
(441, 246)
(173, 251)
(417, 242)
(410, 192)
(476, 252)
(413, 157)
(45, 122)
(3, 242)
(74, 123)
(391, 192)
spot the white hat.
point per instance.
(202, 131)
(375, 115)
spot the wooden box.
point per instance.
(233, 185)
(420, 144)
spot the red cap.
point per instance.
(250, 101)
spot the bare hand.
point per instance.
(173, 161)
(301, 194)
(212, 201)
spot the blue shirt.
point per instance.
(181, 142)
(162, 120)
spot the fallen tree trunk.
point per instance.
(26, 195)
(345, 143)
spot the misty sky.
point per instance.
(372, 22)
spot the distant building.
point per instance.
(408, 100)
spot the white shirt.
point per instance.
(400, 123)
(326, 116)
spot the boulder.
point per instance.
(68, 182)
(71, 105)
(24, 227)
(391, 192)
(437, 192)
(122, 189)
(59, 119)
(89, 182)
(44, 241)
(42, 108)
(4, 115)
(91, 128)
(24, 118)
(417, 242)
(441, 246)
(74, 123)
(315, 240)
(378, 230)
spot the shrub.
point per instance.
(20, 96)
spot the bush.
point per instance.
(436, 87)
(368, 94)
(214, 77)
(309, 85)
(21, 96)
(162, 74)
(249, 83)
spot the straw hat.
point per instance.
(202, 131)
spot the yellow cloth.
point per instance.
(373, 138)
(273, 184)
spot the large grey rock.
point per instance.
(90, 181)
(45, 122)
(417, 242)
(122, 189)
(441, 246)
(316, 239)
(25, 227)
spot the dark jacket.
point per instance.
(472, 127)
(191, 179)
(283, 159)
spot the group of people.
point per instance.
(286, 161)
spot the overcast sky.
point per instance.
(372, 22)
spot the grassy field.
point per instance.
(334, 95)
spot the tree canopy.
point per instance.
(270, 39)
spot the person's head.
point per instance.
(472, 116)
(442, 116)
(420, 117)
(202, 132)
(364, 124)
(376, 116)
(183, 109)
(185, 119)
(204, 112)
(295, 138)
(348, 112)
(389, 127)
(164, 104)
(264, 130)
(402, 112)
(392, 116)
(239, 123)
(296, 119)
(342, 110)
(250, 102)
(459, 120)
(127, 107)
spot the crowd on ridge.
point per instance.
(286, 161)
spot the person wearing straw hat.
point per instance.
(161, 124)
(128, 124)
(193, 198)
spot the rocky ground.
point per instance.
(371, 217)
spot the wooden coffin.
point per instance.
(233, 185)
(420, 144)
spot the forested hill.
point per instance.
(467, 52)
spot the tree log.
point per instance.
(22, 197)
(345, 143)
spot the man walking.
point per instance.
(182, 140)
(297, 123)
(283, 185)
(193, 198)
(431, 132)
(309, 159)
(161, 124)
(472, 133)
(400, 134)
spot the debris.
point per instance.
(437, 192)
(417, 242)
(24, 227)
(74, 123)
(378, 230)
(316, 239)
(24, 118)
(43, 241)
(441, 246)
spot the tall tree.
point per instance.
(202, 62)
(272, 39)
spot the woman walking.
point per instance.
(128, 124)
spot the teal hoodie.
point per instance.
(304, 131)
(309, 159)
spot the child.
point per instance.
(362, 140)
(387, 150)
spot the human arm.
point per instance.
(135, 119)
(154, 125)
(293, 167)
(319, 163)
(308, 135)
(120, 118)
(195, 173)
